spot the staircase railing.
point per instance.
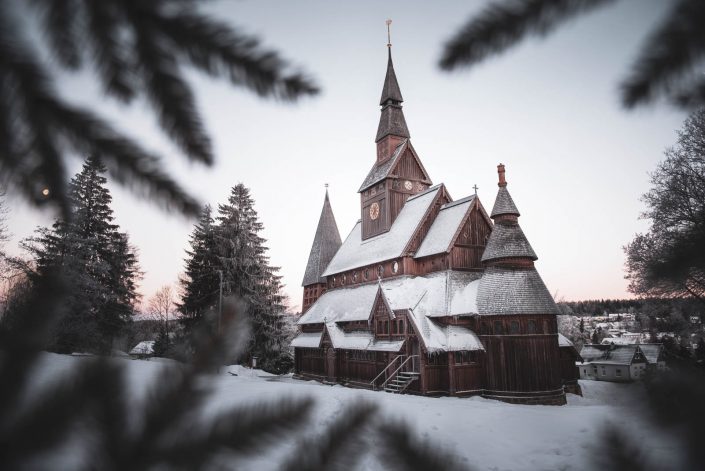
(414, 368)
(384, 372)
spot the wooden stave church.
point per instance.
(429, 295)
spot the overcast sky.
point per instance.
(577, 163)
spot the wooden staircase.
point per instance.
(401, 381)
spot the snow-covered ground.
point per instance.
(484, 434)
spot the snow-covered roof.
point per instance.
(514, 291)
(307, 340)
(360, 340)
(651, 351)
(439, 294)
(444, 227)
(146, 347)
(444, 338)
(342, 304)
(564, 342)
(356, 252)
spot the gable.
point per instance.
(409, 166)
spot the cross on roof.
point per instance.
(475, 187)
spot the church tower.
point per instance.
(325, 244)
(518, 322)
(398, 172)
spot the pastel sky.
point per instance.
(577, 162)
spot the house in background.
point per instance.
(619, 363)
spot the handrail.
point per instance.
(393, 375)
(385, 370)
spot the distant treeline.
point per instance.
(648, 306)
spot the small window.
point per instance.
(409, 328)
(395, 267)
(367, 273)
(545, 327)
(342, 280)
(386, 327)
(380, 270)
(531, 327)
(498, 330)
(514, 327)
(395, 328)
(379, 327)
(604, 373)
(618, 372)
(354, 277)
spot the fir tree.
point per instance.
(95, 258)
(248, 275)
(200, 281)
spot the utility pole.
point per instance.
(220, 298)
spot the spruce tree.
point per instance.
(96, 259)
(200, 281)
(248, 275)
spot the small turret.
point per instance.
(507, 243)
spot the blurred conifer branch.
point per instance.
(669, 64)
(136, 48)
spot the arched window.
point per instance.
(380, 270)
(531, 327)
(514, 327)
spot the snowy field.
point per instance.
(484, 434)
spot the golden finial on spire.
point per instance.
(389, 33)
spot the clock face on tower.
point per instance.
(408, 185)
(374, 211)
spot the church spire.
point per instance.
(392, 122)
(325, 244)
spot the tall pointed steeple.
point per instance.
(392, 121)
(325, 244)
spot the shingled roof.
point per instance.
(380, 171)
(504, 204)
(392, 120)
(513, 291)
(507, 240)
(325, 244)
(390, 90)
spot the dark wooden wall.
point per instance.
(522, 362)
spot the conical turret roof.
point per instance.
(392, 120)
(325, 244)
(504, 204)
(507, 239)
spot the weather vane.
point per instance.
(389, 33)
